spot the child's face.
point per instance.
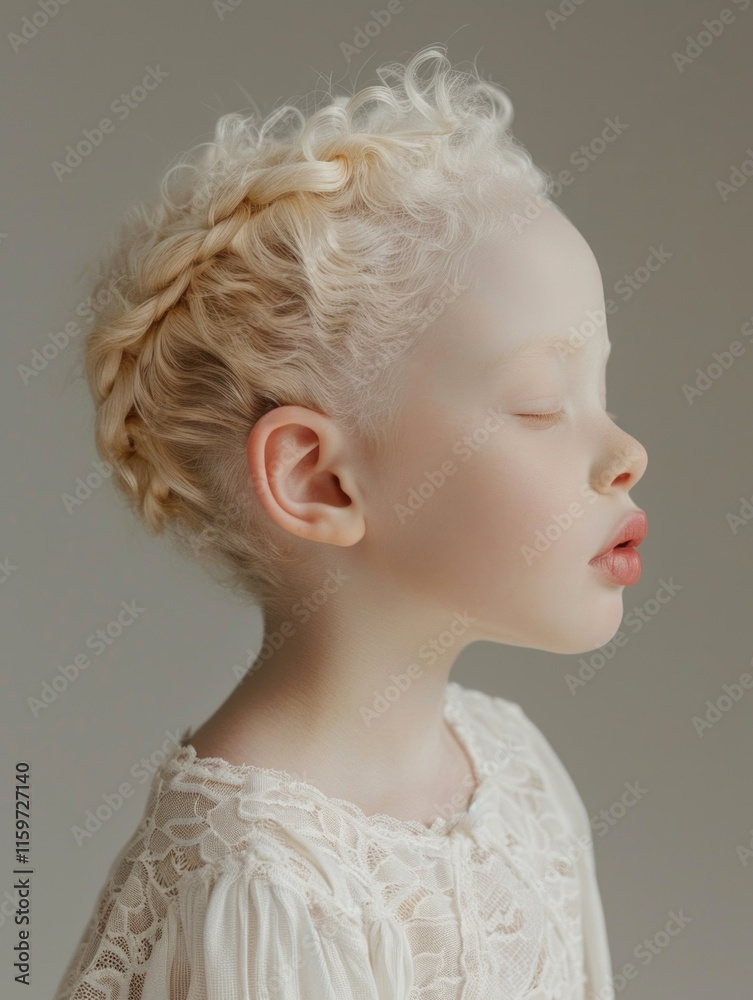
(497, 514)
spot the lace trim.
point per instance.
(184, 757)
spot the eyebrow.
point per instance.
(534, 348)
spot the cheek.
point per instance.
(505, 517)
(503, 494)
(465, 503)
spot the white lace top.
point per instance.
(243, 883)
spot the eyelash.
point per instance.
(555, 417)
(541, 418)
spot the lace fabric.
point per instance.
(243, 882)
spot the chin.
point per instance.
(580, 627)
(593, 633)
(590, 640)
(578, 649)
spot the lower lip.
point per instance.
(620, 566)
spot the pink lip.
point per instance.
(623, 565)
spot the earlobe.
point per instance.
(299, 463)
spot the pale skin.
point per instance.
(405, 581)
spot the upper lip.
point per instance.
(632, 530)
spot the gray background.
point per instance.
(655, 186)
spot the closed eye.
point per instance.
(554, 417)
(544, 417)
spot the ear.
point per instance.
(302, 468)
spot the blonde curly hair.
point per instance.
(290, 265)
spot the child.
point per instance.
(328, 369)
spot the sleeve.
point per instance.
(241, 934)
(597, 959)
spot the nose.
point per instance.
(623, 466)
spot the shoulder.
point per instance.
(507, 735)
(210, 927)
(209, 862)
(204, 814)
